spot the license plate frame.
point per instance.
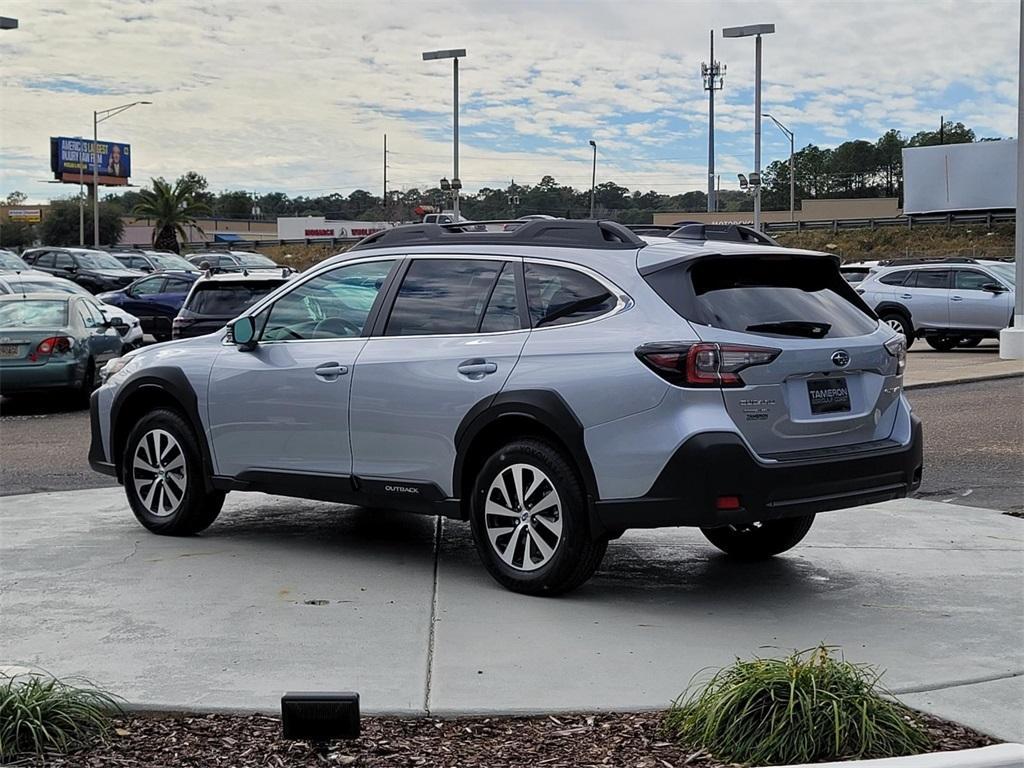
(828, 395)
(8, 351)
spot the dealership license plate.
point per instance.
(8, 350)
(829, 395)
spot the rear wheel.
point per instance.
(757, 541)
(163, 476)
(942, 343)
(901, 324)
(89, 383)
(529, 520)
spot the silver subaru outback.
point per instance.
(553, 385)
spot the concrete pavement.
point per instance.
(282, 594)
(928, 368)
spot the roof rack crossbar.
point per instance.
(552, 233)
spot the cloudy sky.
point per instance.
(295, 95)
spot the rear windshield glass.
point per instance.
(170, 262)
(98, 260)
(33, 314)
(10, 261)
(252, 260)
(804, 297)
(227, 300)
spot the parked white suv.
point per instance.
(952, 303)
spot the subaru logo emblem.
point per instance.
(840, 358)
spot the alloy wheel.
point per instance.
(897, 325)
(523, 517)
(159, 473)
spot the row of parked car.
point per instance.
(64, 312)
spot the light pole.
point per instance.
(755, 31)
(593, 178)
(454, 54)
(1011, 340)
(792, 183)
(98, 117)
(713, 75)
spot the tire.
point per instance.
(942, 343)
(969, 342)
(759, 541)
(165, 433)
(900, 323)
(85, 389)
(517, 558)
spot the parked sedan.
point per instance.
(94, 270)
(155, 300)
(216, 299)
(233, 261)
(40, 282)
(53, 341)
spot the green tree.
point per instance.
(889, 152)
(172, 208)
(952, 133)
(17, 234)
(60, 225)
(15, 198)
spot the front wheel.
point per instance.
(761, 540)
(529, 520)
(164, 478)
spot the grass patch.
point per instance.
(39, 713)
(809, 707)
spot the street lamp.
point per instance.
(593, 178)
(454, 54)
(792, 183)
(755, 31)
(97, 118)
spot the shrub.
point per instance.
(809, 707)
(39, 713)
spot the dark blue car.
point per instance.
(155, 300)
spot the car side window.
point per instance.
(502, 313)
(149, 287)
(91, 317)
(895, 278)
(64, 261)
(442, 296)
(332, 305)
(44, 260)
(972, 280)
(177, 285)
(933, 278)
(559, 295)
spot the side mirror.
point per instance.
(243, 333)
(993, 288)
(72, 269)
(117, 322)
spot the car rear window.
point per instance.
(769, 296)
(33, 314)
(227, 299)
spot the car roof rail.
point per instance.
(652, 230)
(916, 261)
(737, 233)
(552, 233)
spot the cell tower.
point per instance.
(713, 75)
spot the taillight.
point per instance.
(703, 364)
(55, 345)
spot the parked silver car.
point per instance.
(950, 303)
(553, 385)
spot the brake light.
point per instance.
(55, 345)
(703, 364)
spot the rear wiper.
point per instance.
(793, 328)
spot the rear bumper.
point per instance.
(716, 464)
(30, 378)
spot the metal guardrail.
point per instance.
(987, 218)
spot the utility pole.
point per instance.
(593, 178)
(713, 75)
(384, 197)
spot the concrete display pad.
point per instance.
(283, 595)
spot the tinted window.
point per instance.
(895, 278)
(503, 309)
(227, 299)
(91, 317)
(252, 260)
(97, 260)
(333, 305)
(148, 287)
(33, 314)
(45, 260)
(177, 285)
(559, 295)
(969, 280)
(932, 278)
(126, 260)
(30, 258)
(64, 261)
(803, 297)
(442, 296)
(164, 261)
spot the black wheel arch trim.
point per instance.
(893, 306)
(543, 406)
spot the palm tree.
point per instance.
(173, 208)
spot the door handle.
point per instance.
(906, 296)
(330, 371)
(477, 368)
(956, 298)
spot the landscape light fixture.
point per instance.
(743, 180)
(454, 54)
(98, 117)
(445, 185)
(320, 717)
(755, 31)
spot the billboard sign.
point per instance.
(981, 176)
(28, 215)
(318, 227)
(74, 156)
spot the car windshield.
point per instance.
(44, 286)
(169, 261)
(45, 313)
(1005, 271)
(227, 300)
(9, 261)
(98, 260)
(252, 259)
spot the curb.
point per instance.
(997, 756)
(964, 380)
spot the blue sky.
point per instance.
(296, 96)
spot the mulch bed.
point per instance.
(228, 741)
